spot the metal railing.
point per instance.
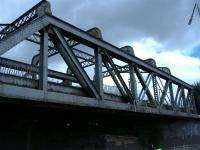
(28, 16)
(11, 67)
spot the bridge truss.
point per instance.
(149, 89)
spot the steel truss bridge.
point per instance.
(149, 89)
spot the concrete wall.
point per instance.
(48, 135)
(182, 134)
(33, 126)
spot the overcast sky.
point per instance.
(154, 28)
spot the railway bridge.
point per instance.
(44, 108)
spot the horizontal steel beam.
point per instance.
(12, 64)
(39, 17)
(35, 38)
(73, 63)
(36, 11)
(82, 36)
(28, 94)
(23, 33)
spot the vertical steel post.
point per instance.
(177, 96)
(73, 63)
(164, 93)
(180, 96)
(144, 86)
(155, 88)
(133, 83)
(184, 99)
(126, 89)
(43, 66)
(148, 81)
(98, 72)
(67, 82)
(171, 92)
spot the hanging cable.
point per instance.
(195, 6)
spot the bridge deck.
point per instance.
(28, 94)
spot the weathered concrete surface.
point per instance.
(182, 134)
(38, 128)
(23, 135)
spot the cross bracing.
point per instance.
(149, 88)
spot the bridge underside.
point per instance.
(12, 94)
(43, 126)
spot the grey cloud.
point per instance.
(123, 20)
(130, 20)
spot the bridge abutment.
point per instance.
(182, 134)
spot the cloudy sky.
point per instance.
(154, 28)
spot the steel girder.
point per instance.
(85, 38)
(43, 67)
(109, 63)
(16, 68)
(81, 36)
(37, 11)
(88, 58)
(73, 63)
(37, 19)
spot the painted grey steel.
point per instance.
(155, 88)
(164, 93)
(73, 63)
(177, 94)
(144, 90)
(43, 66)
(172, 95)
(98, 72)
(38, 10)
(22, 33)
(35, 38)
(20, 69)
(144, 86)
(60, 98)
(86, 38)
(114, 79)
(110, 61)
(133, 84)
(39, 23)
(121, 69)
(165, 69)
(151, 62)
(88, 59)
(184, 100)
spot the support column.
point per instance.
(98, 72)
(67, 82)
(73, 63)
(172, 95)
(184, 99)
(155, 88)
(43, 63)
(133, 83)
(144, 86)
(164, 93)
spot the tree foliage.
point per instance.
(197, 95)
